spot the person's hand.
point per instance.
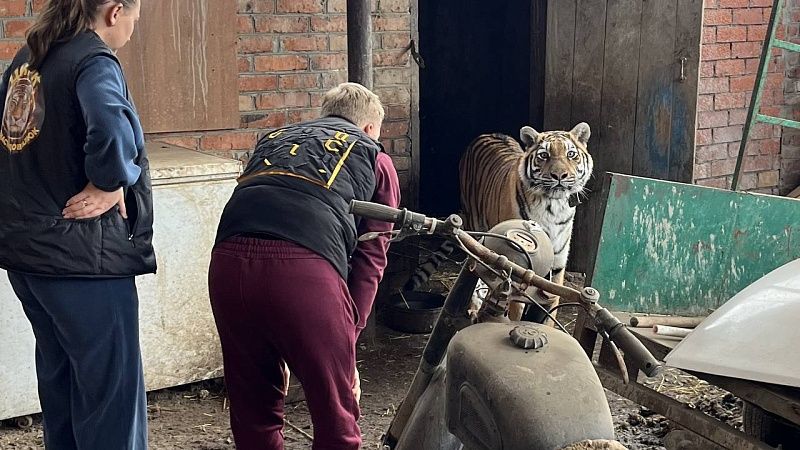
(357, 387)
(92, 202)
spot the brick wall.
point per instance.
(733, 35)
(289, 53)
(790, 148)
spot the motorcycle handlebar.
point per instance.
(633, 348)
(376, 211)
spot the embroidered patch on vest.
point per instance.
(24, 109)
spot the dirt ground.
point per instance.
(194, 416)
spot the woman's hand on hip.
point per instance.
(92, 202)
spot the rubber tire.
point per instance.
(770, 428)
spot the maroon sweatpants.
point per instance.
(275, 301)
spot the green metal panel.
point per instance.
(676, 248)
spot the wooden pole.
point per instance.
(359, 42)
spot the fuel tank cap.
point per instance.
(528, 336)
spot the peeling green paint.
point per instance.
(676, 248)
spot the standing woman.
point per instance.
(76, 220)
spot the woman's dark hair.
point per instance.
(62, 20)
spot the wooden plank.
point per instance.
(654, 104)
(181, 65)
(673, 248)
(612, 144)
(714, 430)
(559, 63)
(795, 193)
(779, 400)
(684, 105)
(590, 34)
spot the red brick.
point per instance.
(746, 49)
(390, 58)
(762, 3)
(337, 6)
(256, 44)
(737, 116)
(707, 69)
(9, 48)
(398, 112)
(713, 85)
(711, 52)
(392, 40)
(12, 8)
(243, 64)
(727, 134)
(302, 115)
(394, 95)
(245, 24)
(391, 23)
(272, 119)
(329, 23)
(256, 6)
(732, 34)
(722, 167)
(757, 163)
(768, 179)
(394, 6)
(718, 17)
(703, 137)
(299, 81)
(714, 152)
(709, 35)
(37, 6)
(279, 24)
(770, 147)
(17, 28)
(338, 42)
(394, 129)
(271, 100)
(280, 63)
(332, 79)
(329, 61)
(730, 100)
(228, 141)
(258, 83)
(721, 183)
(189, 142)
(733, 3)
(390, 76)
(702, 170)
(304, 43)
(299, 6)
(712, 119)
(756, 33)
(743, 84)
(246, 103)
(728, 67)
(748, 16)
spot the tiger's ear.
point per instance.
(528, 136)
(581, 132)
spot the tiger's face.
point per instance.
(556, 163)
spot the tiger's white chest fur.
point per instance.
(556, 216)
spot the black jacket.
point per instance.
(298, 185)
(43, 164)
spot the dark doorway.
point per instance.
(484, 73)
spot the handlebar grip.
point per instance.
(376, 211)
(635, 350)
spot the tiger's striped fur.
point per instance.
(500, 180)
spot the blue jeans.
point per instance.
(88, 363)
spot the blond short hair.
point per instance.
(353, 102)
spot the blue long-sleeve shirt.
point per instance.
(114, 135)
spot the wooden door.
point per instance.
(629, 68)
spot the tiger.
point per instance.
(501, 180)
